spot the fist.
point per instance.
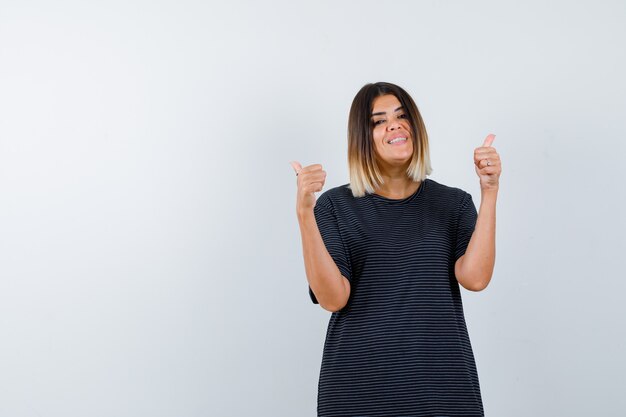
(310, 180)
(488, 166)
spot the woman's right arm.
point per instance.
(331, 289)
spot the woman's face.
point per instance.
(392, 132)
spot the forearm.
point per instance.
(322, 273)
(475, 268)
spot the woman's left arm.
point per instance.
(473, 270)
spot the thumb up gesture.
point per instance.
(488, 165)
(310, 180)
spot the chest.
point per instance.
(394, 233)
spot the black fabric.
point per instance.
(400, 346)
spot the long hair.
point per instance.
(365, 176)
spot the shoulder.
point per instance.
(446, 199)
(446, 190)
(335, 197)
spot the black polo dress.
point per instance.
(400, 346)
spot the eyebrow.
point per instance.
(382, 112)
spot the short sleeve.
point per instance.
(329, 229)
(465, 226)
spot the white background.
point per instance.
(150, 259)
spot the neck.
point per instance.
(397, 185)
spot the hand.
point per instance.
(488, 166)
(310, 180)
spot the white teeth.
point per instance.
(396, 140)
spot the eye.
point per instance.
(377, 122)
(402, 116)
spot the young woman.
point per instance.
(386, 254)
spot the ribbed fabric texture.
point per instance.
(400, 346)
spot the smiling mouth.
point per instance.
(396, 140)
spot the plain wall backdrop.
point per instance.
(150, 258)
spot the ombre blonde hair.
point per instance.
(365, 176)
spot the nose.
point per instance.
(393, 124)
